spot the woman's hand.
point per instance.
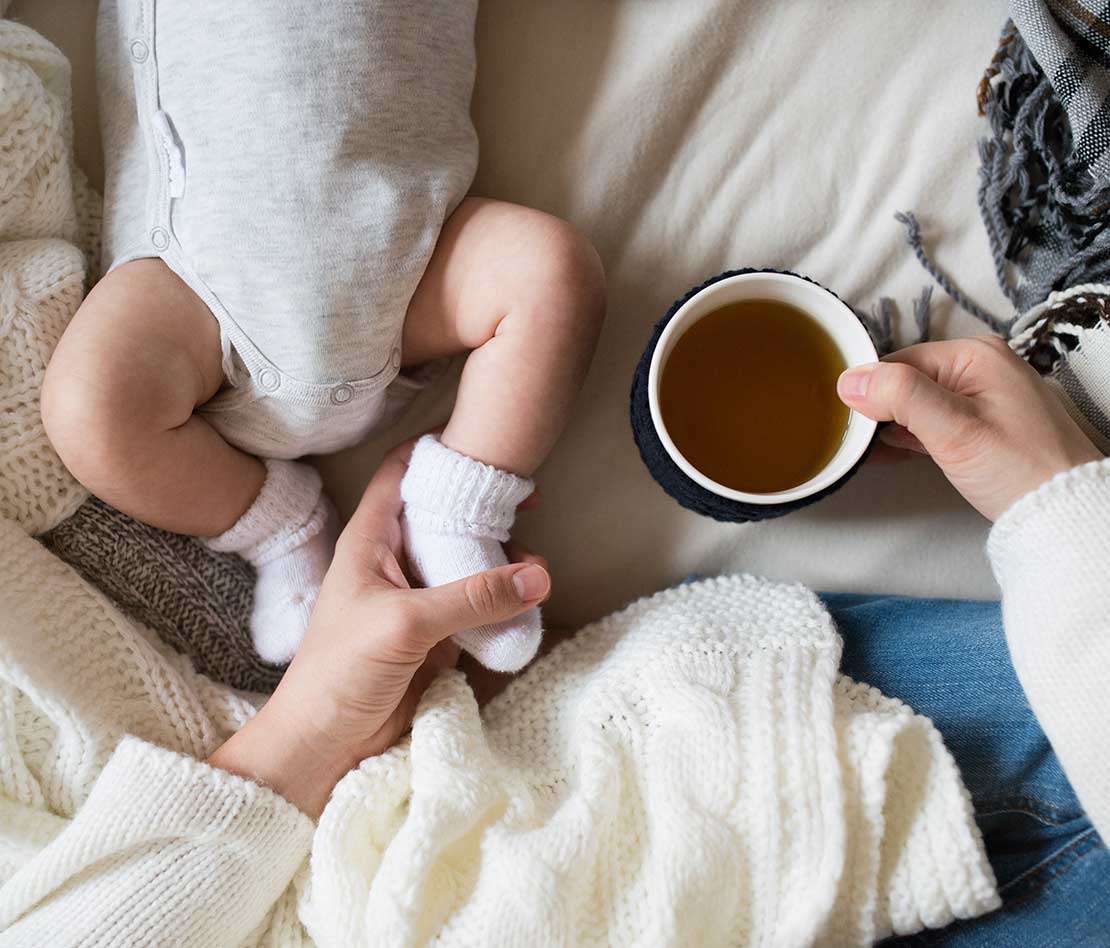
(373, 646)
(983, 415)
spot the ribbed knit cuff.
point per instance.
(151, 786)
(287, 512)
(1062, 527)
(447, 492)
(911, 821)
(165, 843)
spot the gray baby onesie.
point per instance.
(293, 161)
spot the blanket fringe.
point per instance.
(1044, 212)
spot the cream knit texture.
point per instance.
(107, 839)
(1051, 555)
(45, 211)
(689, 771)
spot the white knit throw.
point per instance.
(690, 771)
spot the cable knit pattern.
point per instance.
(196, 599)
(690, 771)
(36, 164)
(41, 284)
(41, 272)
(1051, 555)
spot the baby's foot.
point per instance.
(458, 512)
(288, 534)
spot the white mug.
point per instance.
(851, 338)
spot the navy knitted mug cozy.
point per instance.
(668, 474)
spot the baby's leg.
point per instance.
(141, 353)
(525, 293)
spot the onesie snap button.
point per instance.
(269, 379)
(159, 238)
(341, 394)
(139, 51)
(395, 359)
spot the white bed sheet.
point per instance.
(687, 137)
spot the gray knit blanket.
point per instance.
(199, 602)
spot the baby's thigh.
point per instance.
(142, 347)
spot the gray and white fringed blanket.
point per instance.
(1044, 176)
(1070, 39)
(1044, 197)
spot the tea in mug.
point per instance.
(748, 396)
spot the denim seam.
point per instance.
(1053, 867)
(1030, 806)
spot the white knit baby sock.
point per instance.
(288, 535)
(458, 512)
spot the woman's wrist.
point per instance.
(268, 751)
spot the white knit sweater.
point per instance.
(691, 770)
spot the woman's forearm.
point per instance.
(166, 850)
(1051, 554)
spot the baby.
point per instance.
(287, 241)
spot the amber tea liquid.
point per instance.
(748, 396)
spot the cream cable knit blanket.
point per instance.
(691, 770)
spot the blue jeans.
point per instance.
(948, 660)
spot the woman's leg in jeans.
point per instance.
(948, 660)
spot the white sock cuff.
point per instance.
(289, 510)
(448, 492)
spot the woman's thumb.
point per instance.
(482, 599)
(900, 392)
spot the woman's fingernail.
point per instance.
(853, 383)
(530, 583)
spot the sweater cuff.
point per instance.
(1061, 528)
(204, 853)
(151, 786)
(252, 835)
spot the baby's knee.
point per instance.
(81, 416)
(99, 407)
(561, 275)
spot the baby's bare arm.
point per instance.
(524, 293)
(141, 353)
